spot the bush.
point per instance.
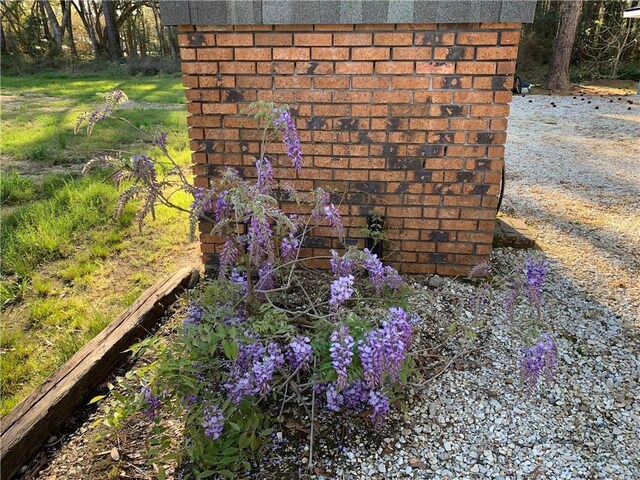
(268, 332)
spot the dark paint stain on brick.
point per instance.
(438, 258)
(356, 198)
(480, 189)
(208, 146)
(349, 123)
(196, 39)
(234, 96)
(465, 176)
(335, 197)
(485, 138)
(483, 164)
(452, 82)
(366, 210)
(312, 68)
(430, 38)
(316, 123)
(422, 176)
(315, 242)
(351, 241)
(439, 236)
(403, 187)
(393, 124)
(294, 112)
(244, 147)
(441, 188)
(390, 152)
(405, 163)
(498, 83)
(445, 137)
(363, 137)
(451, 110)
(429, 150)
(212, 170)
(455, 53)
(369, 187)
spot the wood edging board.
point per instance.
(26, 428)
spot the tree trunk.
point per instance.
(85, 17)
(3, 42)
(53, 24)
(558, 77)
(173, 41)
(111, 32)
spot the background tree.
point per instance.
(558, 77)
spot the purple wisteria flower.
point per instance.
(264, 171)
(221, 208)
(392, 278)
(260, 239)
(380, 404)
(341, 291)
(376, 270)
(202, 201)
(213, 422)
(341, 351)
(143, 168)
(265, 277)
(341, 266)
(540, 360)
(239, 279)
(356, 395)
(227, 256)
(299, 354)
(289, 248)
(152, 403)
(160, 140)
(263, 371)
(287, 127)
(335, 399)
(536, 271)
(332, 216)
(384, 350)
(194, 315)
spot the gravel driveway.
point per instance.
(573, 175)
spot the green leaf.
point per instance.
(230, 349)
(96, 399)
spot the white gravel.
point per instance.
(574, 177)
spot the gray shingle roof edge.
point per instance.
(285, 12)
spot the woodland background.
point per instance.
(93, 35)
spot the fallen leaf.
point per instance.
(115, 454)
(416, 463)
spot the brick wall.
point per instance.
(405, 120)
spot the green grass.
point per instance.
(67, 266)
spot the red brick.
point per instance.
(394, 68)
(234, 39)
(376, 82)
(477, 38)
(435, 38)
(200, 68)
(496, 53)
(352, 39)
(311, 39)
(351, 97)
(334, 53)
(354, 68)
(430, 68)
(509, 38)
(291, 53)
(253, 54)
(412, 53)
(331, 82)
(394, 38)
(237, 67)
(368, 53)
(476, 68)
(273, 39)
(215, 53)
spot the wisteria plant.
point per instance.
(267, 332)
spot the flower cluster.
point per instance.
(194, 315)
(253, 370)
(287, 127)
(213, 422)
(341, 291)
(299, 354)
(111, 101)
(535, 271)
(289, 248)
(384, 350)
(540, 360)
(264, 171)
(341, 351)
(152, 403)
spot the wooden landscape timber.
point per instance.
(26, 428)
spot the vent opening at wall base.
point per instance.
(375, 234)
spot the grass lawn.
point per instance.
(68, 267)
